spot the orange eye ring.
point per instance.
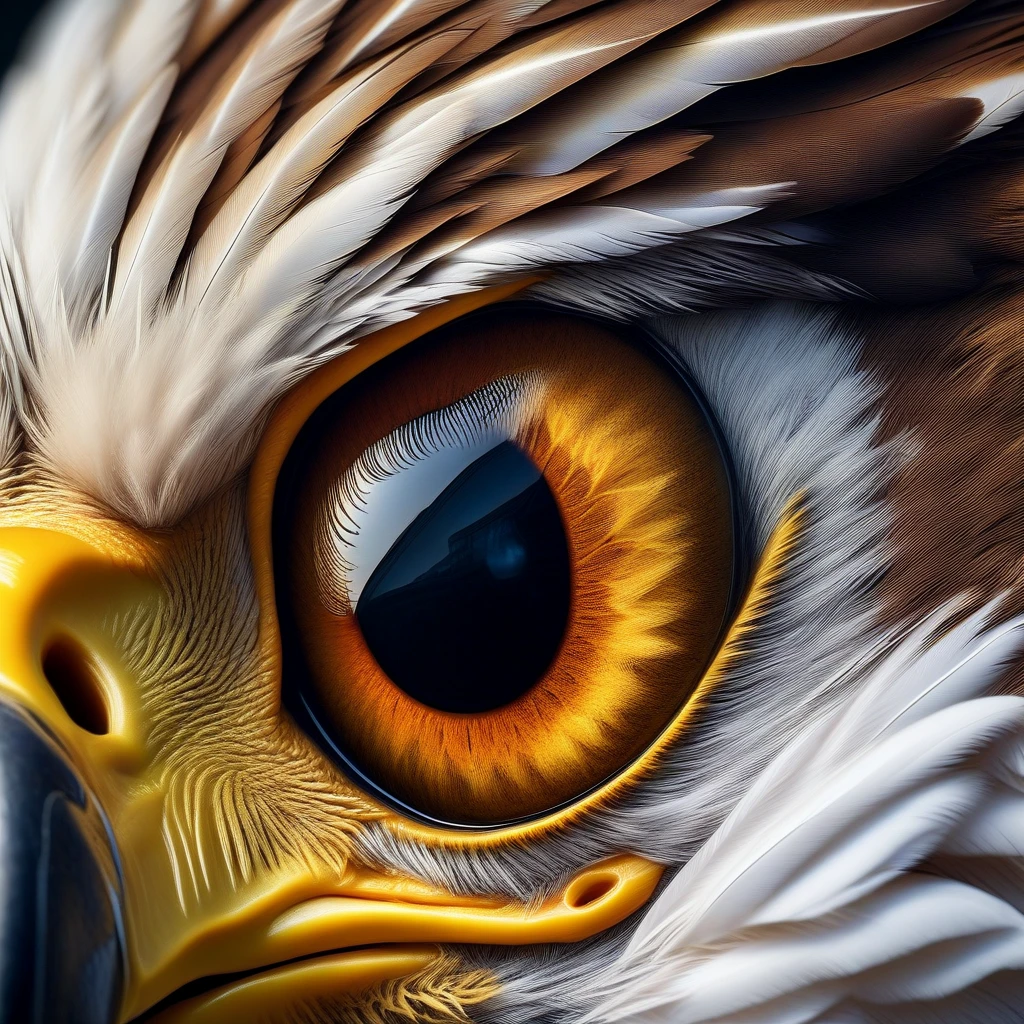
(403, 750)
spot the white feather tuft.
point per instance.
(803, 891)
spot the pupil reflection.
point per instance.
(468, 608)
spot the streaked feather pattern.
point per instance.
(743, 42)
(108, 181)
(203, 200)
(151, 245)
(322, 168)
(266, 196)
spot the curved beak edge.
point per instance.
(61, 937)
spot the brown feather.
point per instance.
(570, 51)
(363, 31)
(730, 43)
(241, 155)
(212, 19)
(954, 375)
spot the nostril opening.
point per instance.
(591, 889)
(74, 678)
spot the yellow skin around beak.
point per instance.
(239, 840)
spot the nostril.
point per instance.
(591, 888)
(74, 677)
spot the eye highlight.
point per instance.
(506, 554)
(446, 543)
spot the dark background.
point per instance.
(15, 16)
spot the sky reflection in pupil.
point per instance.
(468, 608)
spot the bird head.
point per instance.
(510, 512)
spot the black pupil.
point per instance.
(482, 624)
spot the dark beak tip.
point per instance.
(61, 946)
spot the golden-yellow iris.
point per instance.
(638, 477)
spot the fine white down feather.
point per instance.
(815, 890)
(817, 899)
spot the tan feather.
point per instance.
(205, 71)
(789, 168)
(212, 19)
(490, 204)
(485, 206)
(493, 22)
(240, 156)
(948, 49)
(363, 189)
(461, 172)
(513, 82)
(482, 23)
(901, 122)
(363, 31)
(426, 237)
(555, 9)
(791, 165)
(157, 230)
(267, 195)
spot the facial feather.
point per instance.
(298, 269)
(923, 660)
(798, 417)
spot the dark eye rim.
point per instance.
(296, 678)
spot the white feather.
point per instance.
(98, 222)
(577, 235)
(153, 238)
(39, 92)
(826, 836)
(66, 114)
(1002, 102)
(150, 34)
(410, 144)
(376, 26)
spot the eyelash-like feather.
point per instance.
(497, 408)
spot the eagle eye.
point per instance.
(504, 556)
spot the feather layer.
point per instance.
(323, 169)
(808, 889)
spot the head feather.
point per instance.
(207, 200)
